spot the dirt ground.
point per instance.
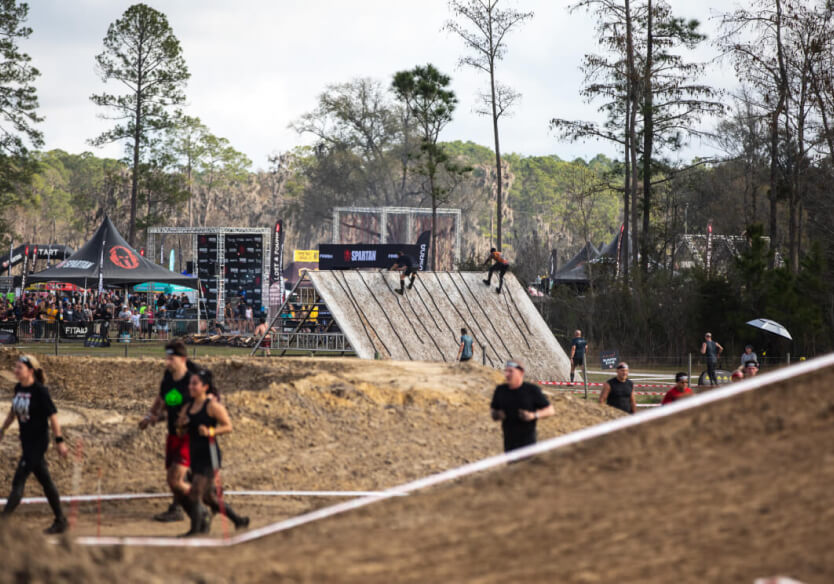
(730, 492)
(300, 424)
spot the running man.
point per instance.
(712, 351)
(517, 404)
(578, 347)
(680, 390)
(203, 419)
(406, 265)
(501, 265)
(35, 412)
(173, 395)
(465, 348)
(618, 392)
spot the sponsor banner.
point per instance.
(8, 333)
(277, 261)
(305, 255)
(423, 243)
(362, 255)
(75, 330)
(609, 359)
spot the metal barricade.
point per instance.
(313, 342)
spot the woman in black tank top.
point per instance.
(204, 419)
(618, 392)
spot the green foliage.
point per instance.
(142, 54)
(423, 91)
(18, 105)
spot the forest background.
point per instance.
(770, 185)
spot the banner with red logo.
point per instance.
(277, 265)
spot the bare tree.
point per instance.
(484, 28)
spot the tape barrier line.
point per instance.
(137, 496)
(560, 390)
(605, 428)
(580, 384)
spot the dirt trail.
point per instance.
(730, 492)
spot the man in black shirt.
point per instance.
(173, 395)
(405, 265)
(578, 346)
(518, 404)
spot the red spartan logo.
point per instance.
(123, 257)
(347, 255)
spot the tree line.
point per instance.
(380, 142)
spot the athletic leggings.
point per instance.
(203, 489)
(711, 364)
(41, 472)
(500, 268)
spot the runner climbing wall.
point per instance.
(424, 324)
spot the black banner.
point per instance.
(423, 243)
(8, 333)
(609, 359)
(277, 266)
(76, 330)
(363, 255)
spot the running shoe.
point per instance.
(58, 526)
(174, 513)
(242, 523)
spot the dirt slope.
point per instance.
(732, 492)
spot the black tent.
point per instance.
(574, 271)
(107, 255)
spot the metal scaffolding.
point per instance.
(221, 232)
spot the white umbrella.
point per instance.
(771, 326)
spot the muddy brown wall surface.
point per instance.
(424, 324)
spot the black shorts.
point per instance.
(462, 359)
(410, 271)
(579, 361)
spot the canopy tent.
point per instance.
(575, 270)
(109, 257)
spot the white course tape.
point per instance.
(136, 496)
(603, 429)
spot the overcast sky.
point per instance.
(256, 65)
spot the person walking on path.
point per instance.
(618, 392)
(203, 419)
(711, 351)
(518, 404)
(499, 265)
(173, 395)
(578, 348)
(465, 348)
(35, 412)
(681, 389)
(405, 264)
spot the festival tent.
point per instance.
(107, 259)
(574, 271)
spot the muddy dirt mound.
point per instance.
(28, 557)
(730, 492)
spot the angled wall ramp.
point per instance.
(424, 324)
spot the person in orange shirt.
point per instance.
(679, 391)
(500, 265)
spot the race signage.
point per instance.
(609, 359)
(75, 330)
(363, 255)
(305, 255)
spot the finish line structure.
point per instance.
(485, 464)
